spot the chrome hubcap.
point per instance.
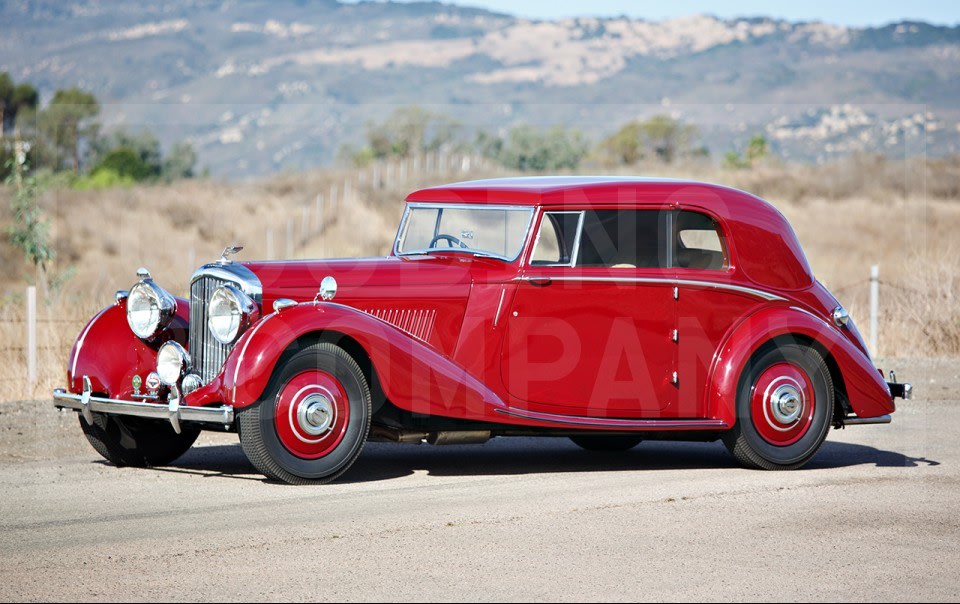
(315, 414)
(786, 404)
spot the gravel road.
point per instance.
(875, 516)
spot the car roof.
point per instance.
(767, 248)
(572, 190)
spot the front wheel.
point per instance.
(135, 441)
(784, 408)
(313, 418)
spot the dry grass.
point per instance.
(900, 215)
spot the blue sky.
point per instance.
(857, 14)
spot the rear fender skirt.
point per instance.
(868, 393)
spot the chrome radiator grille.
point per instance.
(207, 354)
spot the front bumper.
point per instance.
(171, 411)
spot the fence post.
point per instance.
(289, 239)
(31, 335)
(269, 244)
(874, 304)
(305, 226)
(319, 224)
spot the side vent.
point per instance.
(418, 323)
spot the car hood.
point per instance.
(300, 280)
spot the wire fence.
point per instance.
(31, 367)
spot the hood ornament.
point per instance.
(229, 251)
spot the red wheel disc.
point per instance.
(312, 413)
(782, 403)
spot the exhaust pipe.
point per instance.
(466, 437)
(865, 421)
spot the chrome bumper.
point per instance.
(171, 411)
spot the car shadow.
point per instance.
(518, 456)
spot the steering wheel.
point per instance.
(450, 239)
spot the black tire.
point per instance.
(745, 442)
(137, 442)
(258, 435)
(609, 444)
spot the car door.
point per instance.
(591, 329)
(710, 302)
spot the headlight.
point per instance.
(230, 313)
(149, 309)
(172, 363)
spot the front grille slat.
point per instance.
(207, 353)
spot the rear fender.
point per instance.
(868, 393)
(414, 376)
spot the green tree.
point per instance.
(142, 143)
(14, 99)
(528, 148)
(668, 137)
(30, 232)
(69, 122)
(180, 162)
(757, 149)
(409, 131)
(625, 146)
(125, 162)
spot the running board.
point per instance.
(633, 424)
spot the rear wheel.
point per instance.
(617, 442)
(138, 442)
(313, 418)
(784, 408)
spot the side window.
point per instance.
(557, 239)
(699, 242)
(623, 239)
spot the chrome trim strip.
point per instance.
(662, 281)
(496, 317)
(649, 424)
(86, 404)
(866, 421)
(80, 340)
(576, 241)
(401, 233)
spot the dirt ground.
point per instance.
(875, 516)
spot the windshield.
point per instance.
(484, 231)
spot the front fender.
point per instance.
(414, 376)
(110, 354)
(868, 393)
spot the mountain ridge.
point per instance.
(260, 86)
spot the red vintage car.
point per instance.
(606, 310)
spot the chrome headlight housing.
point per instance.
(149, 309)
(173, 362)
(230, 312)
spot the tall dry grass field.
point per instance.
(903, 216)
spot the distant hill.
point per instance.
(267, 85)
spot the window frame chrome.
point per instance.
(574, 255)
(401, 232)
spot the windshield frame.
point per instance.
(401, 232)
